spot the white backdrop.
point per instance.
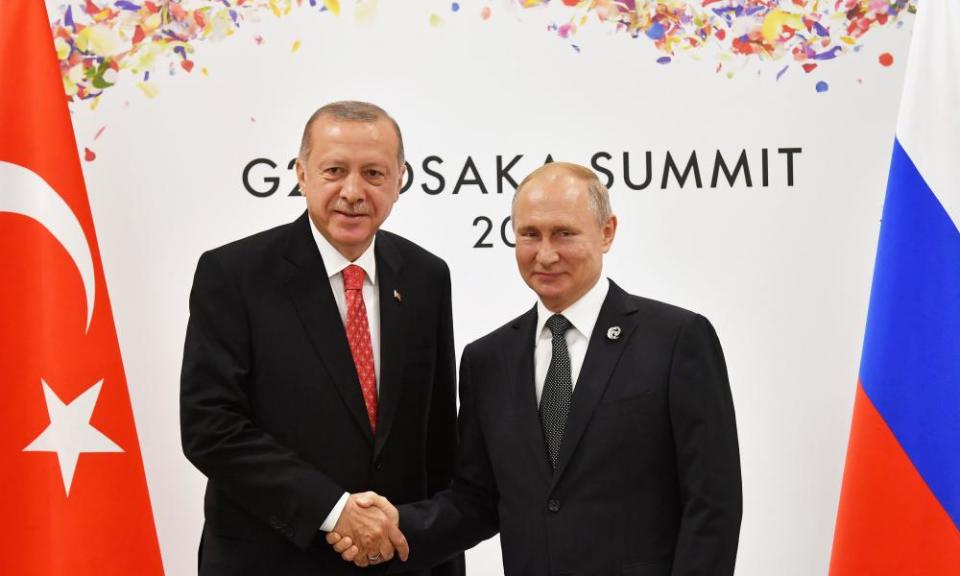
(782, 271)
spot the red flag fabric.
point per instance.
(73, 493)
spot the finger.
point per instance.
(350, 553)
(361, 560)
(386, 551)
(333, 538)
(343, 545)
(399, 542)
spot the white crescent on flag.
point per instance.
(23, 191)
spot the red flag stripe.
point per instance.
(889, 522)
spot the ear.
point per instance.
(608, 231)
(300, 173)
(400, 174)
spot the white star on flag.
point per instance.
(70, 433)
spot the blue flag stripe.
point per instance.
(910, 367)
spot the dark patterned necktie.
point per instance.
(557, 388)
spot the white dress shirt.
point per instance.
(582, 314)
(335, 262)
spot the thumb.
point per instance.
(373, 500)
(365, 501)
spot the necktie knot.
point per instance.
(353, 276)
(558, 325)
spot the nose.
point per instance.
(546, 254)
(352, 188)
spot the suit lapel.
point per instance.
(395, 316)
(312, 297)
(602, 356)
(518, 358)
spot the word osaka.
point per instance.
(667, 170)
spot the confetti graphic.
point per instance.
(100, 41)
(803, 31)
(96, 42)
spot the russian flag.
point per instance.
(899, 510)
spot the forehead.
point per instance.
(552, 199)
(352, 137)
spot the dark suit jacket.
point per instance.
(271, 409)
(648, 478)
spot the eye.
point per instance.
(375, 173)
(332, 171)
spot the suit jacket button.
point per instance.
(378, 465)
(553, 505)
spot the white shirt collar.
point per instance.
(582, 314)
(335, 262)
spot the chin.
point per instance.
(352, 237)
(548, 293)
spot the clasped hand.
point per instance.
(368, 531)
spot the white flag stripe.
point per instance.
(929, 123)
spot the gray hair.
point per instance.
(598, 197)
(350, 111)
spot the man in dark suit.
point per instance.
(597, 431)
(319, 363)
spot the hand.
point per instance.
(368, 532)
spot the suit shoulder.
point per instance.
(663, 309)
(497, 339)
(657, 313)
(253, 243)
(412, 252)
(246, 252)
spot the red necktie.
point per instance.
(358, 335)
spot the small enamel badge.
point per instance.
(397, 297)
(613, 333)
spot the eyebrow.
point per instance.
(552, 229)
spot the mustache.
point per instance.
(355, 209)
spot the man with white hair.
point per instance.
(319, 364)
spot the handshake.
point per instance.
(368, 531)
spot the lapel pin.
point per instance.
(397, 297)
(613, 333)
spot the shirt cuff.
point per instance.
(334, 516)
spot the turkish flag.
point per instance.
(73, 495)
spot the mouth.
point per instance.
(352, 215)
